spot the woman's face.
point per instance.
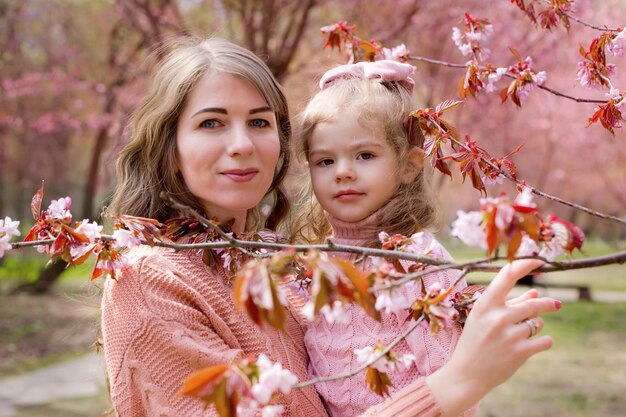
(227, 146)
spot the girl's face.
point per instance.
(354, 170)
(227, 146)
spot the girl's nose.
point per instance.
(344, 172)
(240, 143)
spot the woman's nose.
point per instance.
(240, 143)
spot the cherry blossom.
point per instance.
(467, 227)
(388, 362)
(126, 239)
(91, 230)
(272, 378)
(8, 229)
(60, 209)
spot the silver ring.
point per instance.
(533, 327)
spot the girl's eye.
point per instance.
(210, 124)
(325, 162)
(259, 123)
(366, 155)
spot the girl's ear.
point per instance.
(414, 164)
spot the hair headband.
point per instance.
(381, 71)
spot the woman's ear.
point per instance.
(414, 164)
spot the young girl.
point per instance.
(368, 178)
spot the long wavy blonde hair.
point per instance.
(380, 106)
(147, 164)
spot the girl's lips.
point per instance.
(348, 195)
(241, 175)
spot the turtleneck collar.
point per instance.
(356, 233)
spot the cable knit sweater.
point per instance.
(331, 346)
(168, 314)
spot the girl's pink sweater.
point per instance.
(331, 346)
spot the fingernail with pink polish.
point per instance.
(557, 304)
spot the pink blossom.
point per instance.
(272, 378)
(125, 239)
(393, 300)
(489, 181)
(467, 227)
(91, 230)
(589, 77)
(371, 353)
(387, 363)
(616, 46)
(60, 209)
(528, 247)
(112, 267)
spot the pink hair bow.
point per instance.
(381, 71)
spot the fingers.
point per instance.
(532, 308)
(528, 295)
(529, 327)
(508, 276)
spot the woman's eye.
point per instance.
(210, 124)
(366, 155)
(259, 123)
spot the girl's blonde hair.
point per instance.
(147, 165)
(379, 106)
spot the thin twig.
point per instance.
(534, 190)
(582, 22)
(509, 75)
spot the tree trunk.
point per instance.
(46, 280)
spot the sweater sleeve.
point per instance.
(413, 400)
(155, 335)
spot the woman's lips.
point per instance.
(241, 175)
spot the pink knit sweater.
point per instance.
(168, 314)
(331, 346)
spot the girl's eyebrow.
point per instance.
(354, 145)
(222, 110)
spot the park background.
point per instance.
(71, 71)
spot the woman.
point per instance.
(213, 131)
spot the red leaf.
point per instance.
(35, 203)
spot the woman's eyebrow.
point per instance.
(261, 110)
(222, 110)
(211, 110)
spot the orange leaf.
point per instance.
(514, 244)
(378, 382)
(198, 380)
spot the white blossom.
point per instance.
(9, 227)
(396, 52)
(525, 198)
(272, 410)
(336, 313)
(4, 245)
(60, 209)
(272, 378)
(467, 227)
(125, 239)
(528, 247)
(91, 230)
